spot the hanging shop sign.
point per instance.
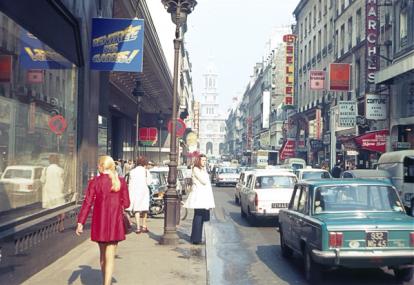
(6, 68)
(117, 44)
(148, 136)
(376, 107)
(289, 70)
(339, 76)
(371, 46)
(373, 141)
(347, 114)
(316, 144)
(34, 54)
(317, 79)
(288, 149)
(179, 127)
(35, 76)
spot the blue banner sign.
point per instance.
(117, 44)
(34, 54)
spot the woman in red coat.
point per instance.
(109, 196)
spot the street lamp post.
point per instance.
(138, 93)
(179, 9)
(160, 122)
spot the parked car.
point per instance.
(312, 173)
(240, 184)
(368, 173)
(227, 176)
(294, 163)
(266, 193)
(21, 184)
(343, 223)
(163, 170)
(400, 165)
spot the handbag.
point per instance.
(127, 223)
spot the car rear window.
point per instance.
(18, 173)
(342, 198)
(229, 170)
(274, 181)
(315, 175)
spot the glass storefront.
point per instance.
(38, 118)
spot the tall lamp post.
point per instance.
(138, 93)
(179, 9)
(160, 122)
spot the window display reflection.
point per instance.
(38, 112)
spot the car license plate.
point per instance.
(280, 205)
(377, 239)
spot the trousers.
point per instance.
(200, 216)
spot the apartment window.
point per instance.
(305, 55)
(310, 21)
(319, 40)
(357, 77)
(314, 46)
(325, 35)
(336, 42)
(358, 25)
(325, 6)
(403, 27)
(301, 31)
(350, 34)
(306, 27)
(310, 50)
(320, 10)
(314, 15)
(342, 39)
(330, 4)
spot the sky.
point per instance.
(231, 33)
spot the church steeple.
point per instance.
(210, 84)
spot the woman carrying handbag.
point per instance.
(200, 199)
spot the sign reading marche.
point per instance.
(347, 114)
(117, 44)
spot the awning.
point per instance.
(398, 68)
(288, 149)
(373, 141)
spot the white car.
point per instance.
(21, 184)
(266, 193)
(312, 173)
(227, 176)
(240, 184)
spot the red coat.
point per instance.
(108, 208)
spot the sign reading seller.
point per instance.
(117, 44)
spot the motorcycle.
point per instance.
(156, 201)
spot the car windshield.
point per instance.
(155, 178)
(274, 181)
(315, 175)
(229, 170)
(18, 173)
(296, 166)
(345, 198)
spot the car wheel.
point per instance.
(313, 271)
(287, 252)
(242, 213)
(252, 219)
(403, 274)
(236, 200)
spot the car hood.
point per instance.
(366, 220)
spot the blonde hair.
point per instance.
(106, 165)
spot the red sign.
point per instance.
(179, 127)
(371, 46)
(339, 76)
(317, 79)
(5, 68)
(373, 141)
(288, 149)
(57, 124)
(34, 76)
(148, 135)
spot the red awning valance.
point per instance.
(373, 141)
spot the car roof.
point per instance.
(312, 170)
(366, 173)
(343, 181)
(268, 172)
(23, 167)
(395, 156)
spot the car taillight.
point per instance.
(256, 200)
(412, 238)
(335, 239)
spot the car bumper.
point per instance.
(265, 214)
(372, 258)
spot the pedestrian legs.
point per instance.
(200, 216)
(137, 219)
(107, 260)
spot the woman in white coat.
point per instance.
(200, 199)
(139, 194)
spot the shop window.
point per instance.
(403, 27)
(37, 125)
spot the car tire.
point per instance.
(242, 213)
(403, 274)
(313, 271)
(252, 219)
(236, 200)
(287, 252)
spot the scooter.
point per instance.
(156, 202)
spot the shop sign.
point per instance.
(347, 114)
(318, 124)
(326, 139)
(287, 150)
(289, 69)
(316, 145)
(34, 76)
(402, 145)
(376, 107)
(352, 152)
(117, 44)
(317, 79)
(148, 136)
(5, 68)
(339, 76)
(36, 55)
(371, 47)
(265, 139)
(179, 127)
(373, 141)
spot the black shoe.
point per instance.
(198, 242)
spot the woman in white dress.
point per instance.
(200, 199)
(139, 194)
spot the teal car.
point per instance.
(341, 223)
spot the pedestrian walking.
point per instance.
(336, 170)
(200, 199)
(108, 194)
(118, 168)
(139, 194)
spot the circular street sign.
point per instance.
(179, 127)
(57, 124)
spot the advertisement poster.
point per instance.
(339, 76)
(317, 79)
(376, 106)
(117, 44)
(288, 149)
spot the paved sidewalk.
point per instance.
(140, 260)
